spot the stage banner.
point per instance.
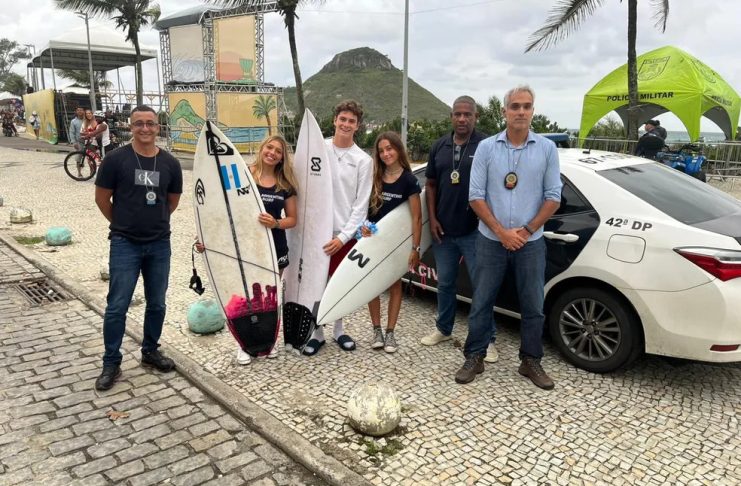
(234, 41)
(42, 102)
(247, 118)
(186, 51)
(187, 116)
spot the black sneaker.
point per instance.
(472, 367)
(156, 359)
(107, 377)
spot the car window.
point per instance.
(683, 198)
(571, 200)
(420, 175)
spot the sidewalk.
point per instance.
(56, 429)
(656, 423)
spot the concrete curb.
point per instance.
(293, 444)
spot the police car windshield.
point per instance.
(682, 197)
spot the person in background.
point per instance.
(650, 142)
(35, 123)
(75, 128)
(9, 122)
(660, 130)
(393, 183)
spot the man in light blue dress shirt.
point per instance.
(515, 187)
(75, 126)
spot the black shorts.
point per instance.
(282, 257)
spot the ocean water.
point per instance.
(682, 136)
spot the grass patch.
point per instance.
(29, 240)
(372, 448)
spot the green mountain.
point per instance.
(367, 76)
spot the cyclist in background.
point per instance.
(100, 134)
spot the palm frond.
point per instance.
(661, 13)
(94, 8)
(564, 18)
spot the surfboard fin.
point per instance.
(298, 325)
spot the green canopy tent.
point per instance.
(669, 79)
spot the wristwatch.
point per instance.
(416, 248)
(527, 228)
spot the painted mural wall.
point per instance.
(42, 102)
(234, 41)
(187, 116)
(186, 51)
(247, 118)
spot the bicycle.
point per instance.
(82, 164)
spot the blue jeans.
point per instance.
(448, 255)
(126, 261)
(528, 264)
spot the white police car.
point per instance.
(641, 258)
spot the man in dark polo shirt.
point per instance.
(137, 189)
(453, 223)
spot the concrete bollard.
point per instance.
(20, 215)
(58, 236)
(374, 409)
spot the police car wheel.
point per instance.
(595, 330)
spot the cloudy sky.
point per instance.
(457, 46)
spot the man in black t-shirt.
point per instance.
(137, 189)
(453, 223)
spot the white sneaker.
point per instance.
(435, 338)
(492, 356)
(273, 353)
(242, 357)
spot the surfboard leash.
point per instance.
(195, 281)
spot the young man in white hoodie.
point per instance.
(352, 181)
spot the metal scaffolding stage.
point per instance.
(210, 86)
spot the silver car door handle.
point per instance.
(567, 237)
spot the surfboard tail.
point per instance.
(255, 333)
(298, 325)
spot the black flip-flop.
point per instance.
(315, 345)
(345, 339)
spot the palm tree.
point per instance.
(129, 16)
(287, 8)
(567, 16)
(83, 78)
(262, 107)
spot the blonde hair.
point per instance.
(86, 123)
(284, 177)
(376, 201)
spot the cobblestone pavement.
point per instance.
(55, 428)
(660, 422)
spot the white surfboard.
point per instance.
(240, 255)
(306, 275)
(373, 264)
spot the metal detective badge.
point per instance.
(151, 198)
(455, 177)
(510, 180)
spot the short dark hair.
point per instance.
(143, 108)
(352, 106)
(468, 100)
